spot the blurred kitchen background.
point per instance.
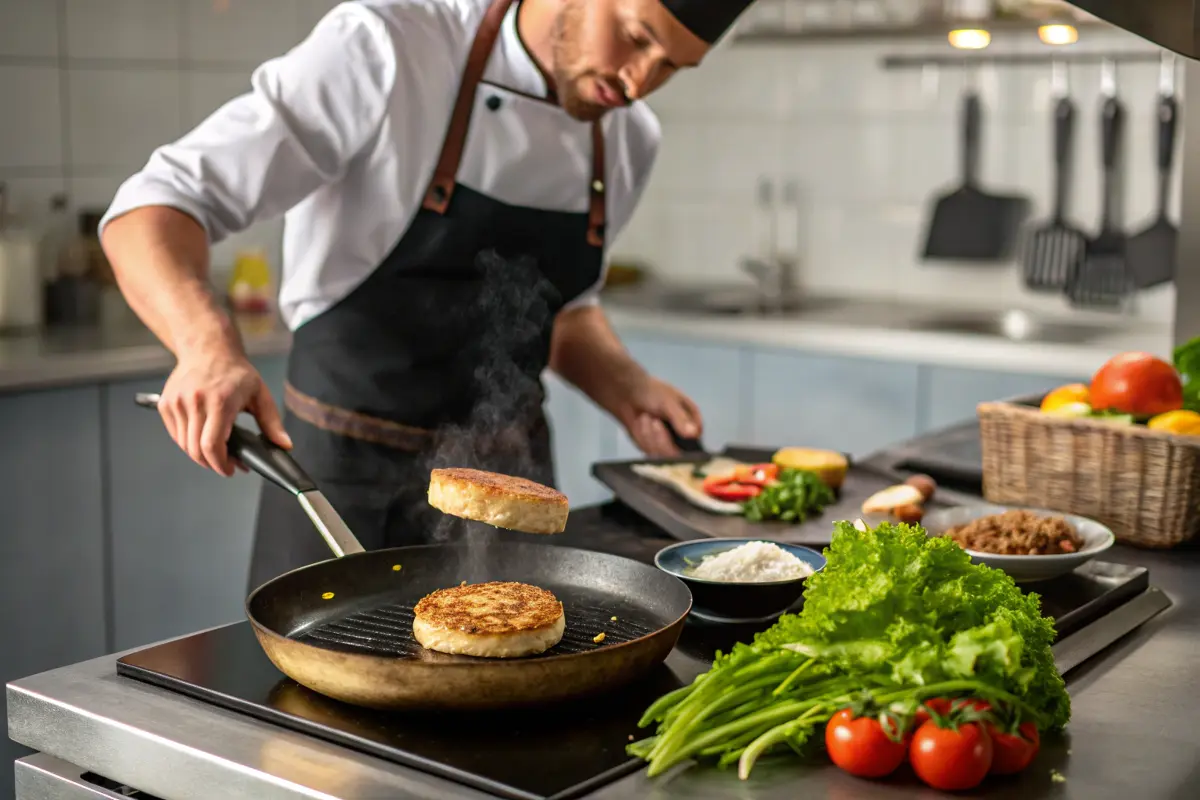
(796, 144)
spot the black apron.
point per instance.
(436, 358)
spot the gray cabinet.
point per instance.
(181, 535)
(710, 374)
(852, 405)
(950, 395)
(52, 589)
(582, 434)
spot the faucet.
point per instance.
(775, 278)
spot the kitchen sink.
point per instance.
(738, 301)
(1012, 325)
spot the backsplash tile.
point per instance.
(119, 116)
(29, 28)
(238, 32)
(124, 29)
(31, 130)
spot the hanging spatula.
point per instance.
(1054, 249)
(969, 224)
(1102, 279)
(1152, 251)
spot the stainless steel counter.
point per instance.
(1133, 733)
(81, 355)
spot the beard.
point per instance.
(569, 74)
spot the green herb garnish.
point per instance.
(796, 495)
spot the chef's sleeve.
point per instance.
(307, 116)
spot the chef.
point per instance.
(451, 172)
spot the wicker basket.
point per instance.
(1143, 484)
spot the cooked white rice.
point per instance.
(752, 562)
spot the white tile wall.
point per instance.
(870, 148)
(89, 87)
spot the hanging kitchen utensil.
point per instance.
(969, 224)
(1151, 253)
(1102, 279)
(343, 627)
(1055, 248)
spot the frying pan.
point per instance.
(343, 627)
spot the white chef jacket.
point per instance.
(341, 136)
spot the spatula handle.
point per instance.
(1064, 130)
(1112, 123)
(1168, 117)
(264, 457)
(971, 123)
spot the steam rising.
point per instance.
(514, 312)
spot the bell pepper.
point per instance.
(756, 474)
(727, 488)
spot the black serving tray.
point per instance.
(683, 520)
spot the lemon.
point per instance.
(1179, 421)
(1076, 409)
(1071, 394)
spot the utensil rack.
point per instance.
(897, 62)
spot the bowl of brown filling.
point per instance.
(1028, 544)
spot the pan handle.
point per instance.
(277, 465)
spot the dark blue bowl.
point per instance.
(721, 601)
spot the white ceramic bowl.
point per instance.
(1026, 569)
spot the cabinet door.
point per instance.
(952, 394)
(52, 579)
(582, 435)
(181, 535)
(855, 406)
(710, 374)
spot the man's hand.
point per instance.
(202, 399)
(652, 406)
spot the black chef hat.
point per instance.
(708, 19)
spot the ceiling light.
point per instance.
(1058, 34)
(970, 38)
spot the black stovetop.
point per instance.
(546, 754)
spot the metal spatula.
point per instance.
(1055, 248)
(968, 223)
(1102, 279)
(1152, 252)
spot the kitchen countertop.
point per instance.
(882, 329)
(853, 328)
(1133, 732)
(69, 356)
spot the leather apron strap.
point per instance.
(445, 174)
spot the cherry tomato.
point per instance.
(861, 746)
(939, 705)
(951, 759)
(756, 474)
(1013, 752)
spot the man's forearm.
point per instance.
(160, 259)
(586, 352)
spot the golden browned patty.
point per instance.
(490, 620)
(500, 500)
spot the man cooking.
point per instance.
(452, 172)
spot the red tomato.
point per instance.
(951, 760)
(939, 705)
(860, 746)
(1138, 384)
(1012, 753)
(727, 488)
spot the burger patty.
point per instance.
(489, 620)
(500, 500)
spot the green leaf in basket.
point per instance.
(1187, 363)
